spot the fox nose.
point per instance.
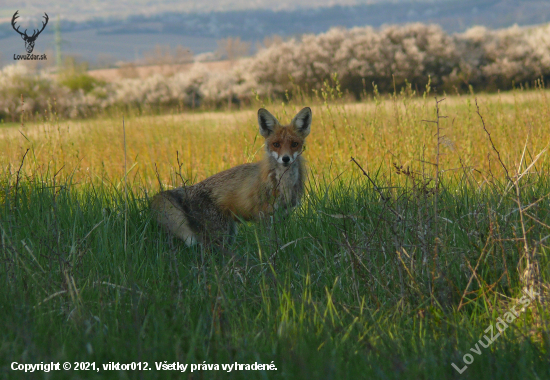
(286, 159)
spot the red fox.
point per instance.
(209, 210)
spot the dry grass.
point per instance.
(378, 133)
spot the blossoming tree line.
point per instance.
(389, 58)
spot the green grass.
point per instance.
(392, 281)
(334, 303)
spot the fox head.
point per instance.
(284, 142)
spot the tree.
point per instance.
(232, 48)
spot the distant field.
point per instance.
(395, 276)
(377, 133)
(111, 75)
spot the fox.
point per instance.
(210, 211)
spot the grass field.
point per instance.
(394, 273)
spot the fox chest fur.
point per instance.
(256, 190)
(209, 210)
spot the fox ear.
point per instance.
(267, 122)
(302, 121)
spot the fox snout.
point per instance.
(284, 158)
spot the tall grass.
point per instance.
(380, 133)
(394, 272)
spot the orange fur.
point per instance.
(208, 211)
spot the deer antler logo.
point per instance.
(29, 40)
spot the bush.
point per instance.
(391, 57)
(80, 81)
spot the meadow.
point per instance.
(394, 266)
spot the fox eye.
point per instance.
(276, 144)
(294, 144)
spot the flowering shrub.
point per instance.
(38, 91)
(390, 56)
(495, 59)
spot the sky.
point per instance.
(83, 9)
